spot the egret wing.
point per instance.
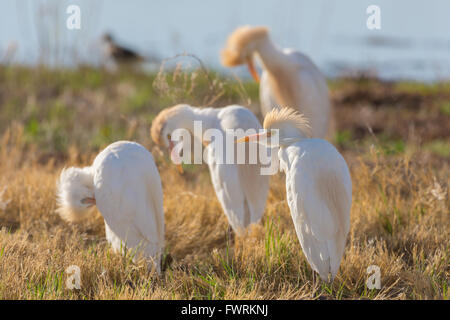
(225, 179)
(129, 196)
(319, 195)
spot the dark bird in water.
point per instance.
(119, 54)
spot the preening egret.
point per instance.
(289, 78)
(124, 184)
(240, 188)
(318, 187)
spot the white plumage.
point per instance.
(302, 86)
(125, 185)
(289, 78)
(318, 188)
(240, 188)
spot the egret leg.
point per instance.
(230, 234)
(166, 261)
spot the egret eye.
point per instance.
(169, 137)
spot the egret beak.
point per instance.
(254, 137)
(251, 68)
(89, 201)
(175, 158)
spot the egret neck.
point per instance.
(289, 135)
(281, 73)
(186, 118)
(270, 55)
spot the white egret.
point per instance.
(124, 184)
(318, 188)
(240, 188)
(289, 78)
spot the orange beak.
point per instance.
(251, 68)
(254, 137)
(179, 166)
(89, 201)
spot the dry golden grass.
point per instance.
(399, 219)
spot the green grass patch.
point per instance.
(445, 108)
(439, 147)
(343, 138)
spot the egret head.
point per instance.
(241, 45)
(282, 127)
(166, 122)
